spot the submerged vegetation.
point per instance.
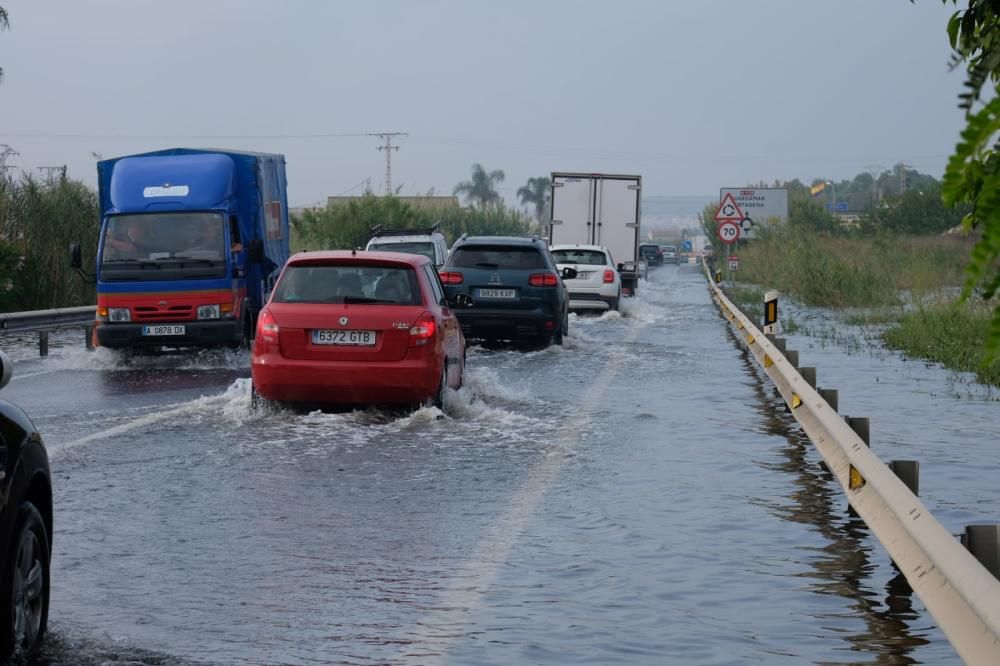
(868, 272)
(950, 334)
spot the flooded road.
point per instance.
(637, 496)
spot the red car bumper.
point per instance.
(345, 383)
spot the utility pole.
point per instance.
(875, 171)
(902, 177)
(5, 152)
(50, 170)
(388, 148)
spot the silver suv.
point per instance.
(428, 242)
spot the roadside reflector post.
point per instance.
(908, 472)
(88, 332)
(771, 312)
(809, 374)
(43, 343)
(830, 396)
(983, 541)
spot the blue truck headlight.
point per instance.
(208, 312)
(119, 314)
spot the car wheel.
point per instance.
(438, 399)
(465, 357)
(557, 336)
(25, 585)
(257, 401)
(613, 303)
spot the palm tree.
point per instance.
(536, 193)
(481, 187)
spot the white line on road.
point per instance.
(439, 628)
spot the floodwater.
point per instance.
(638, 496)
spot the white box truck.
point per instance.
(600, 209)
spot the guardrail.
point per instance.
(960, 593)
(44, 321)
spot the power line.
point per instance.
(388, 148)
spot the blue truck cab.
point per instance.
(191, 243)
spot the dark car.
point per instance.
(651, 253)
(25, 528)
(516, 288)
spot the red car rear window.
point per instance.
(383, 285)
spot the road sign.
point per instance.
(734, 262)
(686, 245)
(763, 206)
(839, 207)
(728, 210)
(729, 231)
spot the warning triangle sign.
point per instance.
(728, 210)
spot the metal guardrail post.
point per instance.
(908, 472)
(831, 396)
(88, 332)
(862, 426)
(983, 541)
(43, 343)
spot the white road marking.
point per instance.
(440, 628)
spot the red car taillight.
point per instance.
(267, 329)
(451, 278)
(609, 276)
(423, 331)
(543, 280)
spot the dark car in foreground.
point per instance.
(25, 528)
(517, 290)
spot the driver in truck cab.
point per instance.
(127, 240)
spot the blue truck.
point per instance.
(191, 242)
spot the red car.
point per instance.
(357, 328)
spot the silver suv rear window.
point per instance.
(411, 247)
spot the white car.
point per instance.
(597, 285)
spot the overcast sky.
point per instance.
(692, 94)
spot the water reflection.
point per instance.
(843, 567)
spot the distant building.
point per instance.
(422, 202)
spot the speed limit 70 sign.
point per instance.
(729, 231)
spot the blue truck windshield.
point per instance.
(164, 237)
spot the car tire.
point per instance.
(438, 399)
(557, 336)
(615, 302)
(257, 401)
(24, 590)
